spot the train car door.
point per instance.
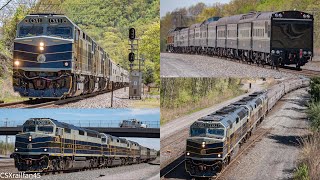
(60, 139)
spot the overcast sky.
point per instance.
(170, 5)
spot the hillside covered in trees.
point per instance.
(200, 12)
(107, 22)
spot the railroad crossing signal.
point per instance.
(131, 57)
(132, 34)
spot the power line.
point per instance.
(5, 5)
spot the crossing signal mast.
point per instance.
(135, 84)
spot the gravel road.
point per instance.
(184, 65)
(174, 133)
(138, 171)
(276, 155)
(120, 100)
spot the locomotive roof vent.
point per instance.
(45, 14)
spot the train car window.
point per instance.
(27, 31)
(57, 31)
(83, 36)
(77, 32)
(81, 132)
(237, 120)
(91, 134)
(29, 128)
(103, 140)
(67, 130)
(48, 129)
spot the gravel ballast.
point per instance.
(276, 155)
(120, 100)
(186, 65)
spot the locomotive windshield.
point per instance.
(29, 128)
(46, 129)
(292, 34)
(64, 32)
(27, 31)
(206, 132)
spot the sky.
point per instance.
(86, 118)
(170, 5)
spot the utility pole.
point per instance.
(6, 144)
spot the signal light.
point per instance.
(132, 34)
(131, 57)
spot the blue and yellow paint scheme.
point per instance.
(215, 138)
(54, 58)
(49, 145)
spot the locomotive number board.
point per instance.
(207, 125)
(50, 20)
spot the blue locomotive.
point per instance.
(49, 145)
(54, 58)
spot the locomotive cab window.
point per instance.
(60, 31)
(46, 129)
(81, 133)
(29, 128)
(27, 31)
(103, 140)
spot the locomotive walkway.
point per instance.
(119, 132)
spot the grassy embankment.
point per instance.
(309, 164)
(181, 96)
(150, 100)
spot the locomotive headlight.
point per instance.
(16, 149)
(272, 52)
(219, 155)
(30, 138)
(203, 144)
(41, 44)
(188, 153)
(17, 63)
(45, 149)
(277, 52)
(305, 52)
(41, 48)
(309, 52)
(304, 16)
(308, 16)
(280, 15)
(66, 64)
(276, 15)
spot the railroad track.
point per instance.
(287, 69)
(44, 103)
(257, 135)
(304, 72)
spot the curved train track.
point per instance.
(250, 142)
(45, 103)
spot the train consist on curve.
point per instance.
(54, 58)
(47, 145)
(215, 138)
(274, 38)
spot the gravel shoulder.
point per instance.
(275, 156)
(138, 171)
(120, 100)
(185, 65)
